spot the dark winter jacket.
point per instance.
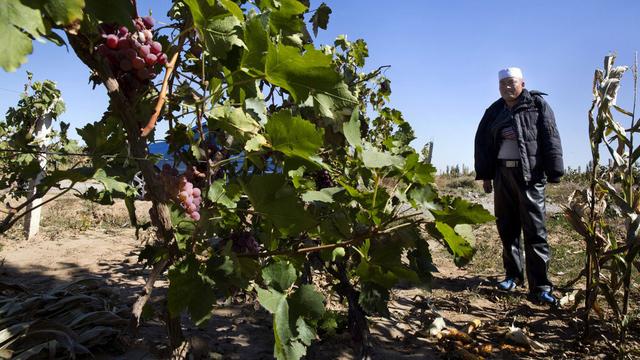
(538, 138)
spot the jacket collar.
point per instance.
(524, 100)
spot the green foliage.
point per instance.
(295, 312)
(296, 171)
(21, 143)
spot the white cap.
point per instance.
(513, 72)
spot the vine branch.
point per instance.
(144, 132)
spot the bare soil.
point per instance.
(80, 239)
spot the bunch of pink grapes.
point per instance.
(132, 52)
(189, 197)
(181, 189)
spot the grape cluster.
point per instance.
(323, 179)
(182, 190)
(244, 242)
(134, 56)
(189, 197)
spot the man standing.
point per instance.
(517, 146)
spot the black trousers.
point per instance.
(520, 208)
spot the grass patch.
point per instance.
(72, 214)
(458, 182)
(559, 193)
(567, 260)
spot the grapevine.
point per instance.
(301, 177)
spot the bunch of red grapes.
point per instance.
(323, 179)
(244, 242)
(132, 53)
(183, 191)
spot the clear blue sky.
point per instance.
(445, 56)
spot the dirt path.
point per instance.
(243, 331)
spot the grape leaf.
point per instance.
(459, 211)
(218, 193)
(424, 197)
(14, 19)
(216, 25)
(112, 11)
(308, 302)
(332, 104)
(255, 143)
(279, 275)
(302, 73)
(351, 130)
(257, 42)
(458, 246)
(276, 201)
(61, 12)
(325, 195)
(320, 18)
(189, 289)
(306, 333)
(282, 329)
(284, 16)
(292, 135)
(269, 299)
(234, 120)
(374, 159)
(374, 298)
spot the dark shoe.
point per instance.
(544, 298)
(507, 284)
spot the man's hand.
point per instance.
(486, 185)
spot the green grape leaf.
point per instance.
(351, 129)
(275, 200)
(234, 120)
(270, 298)
(112, 184)
(189, 289)
(459, 211)
(279, 275)
(282, 328)
(284, 16)
(308, 302)
(112, 11)
(301, 74)
(61, 12)
(257, 41)
(460, 248)
(17, 22)
(217, 193)
(306, 333)
(256, 108)
(417, 171)
(332, 104)
(183, 227)
(104, 137)
(219, 28)
(424, 197)
(373, 159)
(325, 195)
(292, 135)
(420, 260)
(256, 143)
(233, 8)
(320, 18)
(371, 272)
(466, 231)
(360, 52)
